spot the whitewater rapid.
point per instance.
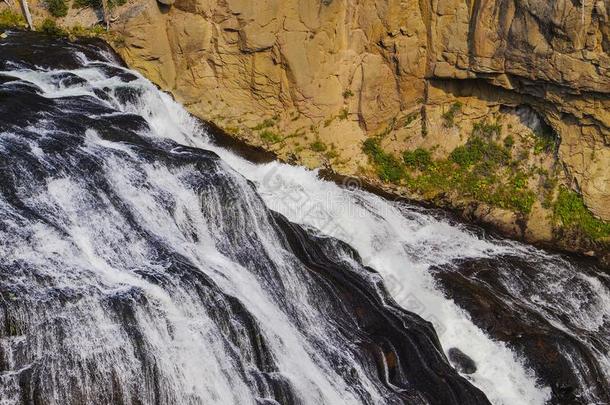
(402, 242)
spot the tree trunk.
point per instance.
(26, 13)
(106, 11)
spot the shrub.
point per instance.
(545, 141)
(318, 146)
(57, 8)
(347, 93)
(477, 149)
(388, 167)
(570, 209)
(449, 115)
(424, 130)
(509, 142)
(419, 158)
(49, 27)
(343, 114)
(10, 19)
(486, 130)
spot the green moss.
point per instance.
(318, 146)
(449, 115)
(11, 19)
(387, 166)
(270, 137)
(268, 123)
(57, 8)
(570, 211)
(509, 142)
(418, 159)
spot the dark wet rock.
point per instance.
(66, 79)
(32, 50)
(462, 363)
(493, 291)
(7, 78)
(395, 349)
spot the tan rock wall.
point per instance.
(371, 62)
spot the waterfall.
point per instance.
(143, 264)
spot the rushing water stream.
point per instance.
(140, 263)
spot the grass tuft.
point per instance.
(268, 123)
(270, 137)
(571, 212)
(449, 115)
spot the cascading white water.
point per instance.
(93, 247)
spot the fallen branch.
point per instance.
(26, 14)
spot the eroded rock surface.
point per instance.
(339, 72)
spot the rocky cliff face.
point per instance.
(523, 84)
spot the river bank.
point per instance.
(487, 154)
(467, 214)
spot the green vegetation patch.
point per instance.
(268, 123)
(409, 119)
(318, 146)
(479, 150)
(487, 130)
(449, 115)
(11, 19)
(419, 158)
(49, 27)
(571, 211)
(387, 166)
(57, 8)
(545, 141)
(270, 137)
(482, 169)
